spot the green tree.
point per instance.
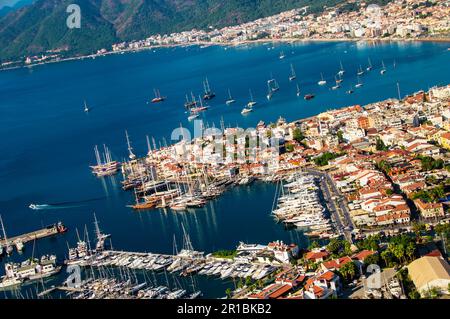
(348, 271)
(429, 163)
(298, 135)
(432, 293)
(399, 245)
(369, 243)
(387, 258)
(384, 166)
(340, 136)
(289, 148)
(430, 195)
(325, 158)
(418, 229)
(228, 293)
(339, 247)
(372, 260)
(314, 244)
(398, 251)
(414, 294)
(380, 146)
(410, 250)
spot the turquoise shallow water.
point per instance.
(47, 140)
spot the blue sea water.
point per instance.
(47, 140)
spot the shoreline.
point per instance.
(235, 44)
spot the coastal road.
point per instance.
(337, 203)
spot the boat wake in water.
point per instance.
(51, 206)
(63, 205)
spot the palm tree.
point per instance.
(418, 228)
(410, 250)
(387, 257)
(348, 270)
(399, 252)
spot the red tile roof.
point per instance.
(337, 263)
(363, 254)
(316, 255)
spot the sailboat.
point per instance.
(350, 91)
(252, 102)
(199, 108)
(142, 205)
(308, 96)
(360, 71)
(100, 243)
(341, 71)
(190, 103)
(208, 93)
(230, 98)
(193, 116)
(269, 91)
(86, 108)
(194, 108)
(158, 97)
(106, 166)
(337, 86)
(298, 90)
(322, 81)
(9, 248)
(383, 69)
(359, 84)
(246, 109)
(293, 76)
(272, 87)
(369, 67)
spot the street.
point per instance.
(332, 195)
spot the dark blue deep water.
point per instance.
(47, 140)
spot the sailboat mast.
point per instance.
(148, 146)
(97, 155)
(4, 232)
(207, 85)
(97, 228)
(130, 149)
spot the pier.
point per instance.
(48, 231)
(185, 263)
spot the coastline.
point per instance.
(235, 44)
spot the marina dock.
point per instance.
(185, 263)
(48, 231)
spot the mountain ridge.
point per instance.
(41, 27)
